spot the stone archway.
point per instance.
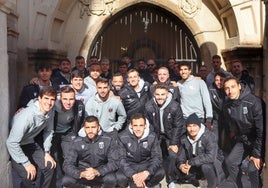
(145, 31)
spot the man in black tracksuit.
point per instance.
(92, 159)
(217, 96)
(198, 155)
(68, 120)
(245, 117)
(135, 94)
(141, 160)
(166, 119)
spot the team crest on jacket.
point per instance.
(200, 144)
(169, 116)
(229, 111)
(145, 144)
(129, 144)
(83, 146)
(101, 145)
(70, 118)
(110, 110)
(146, 88)
(171, 90)
(245, 110)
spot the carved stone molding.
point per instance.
(7, 6)
(190, 8)
(96, 7)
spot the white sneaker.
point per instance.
(171, 185)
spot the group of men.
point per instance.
(104, 130)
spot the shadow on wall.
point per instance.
(207, 50)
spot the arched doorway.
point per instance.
(146, 31)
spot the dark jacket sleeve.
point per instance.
(70, 165)
(209, 153)
(79, 113)
(123, 164)
(156, 156)
(258, 121)
(178, 127)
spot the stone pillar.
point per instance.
(6, 7)
(265, 87)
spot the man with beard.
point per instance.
(166, 119)
(109, 110)
(62, 75)
(92, 159)
(244, 115)
(116, 84)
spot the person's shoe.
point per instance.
(172, 185)
(192, 181)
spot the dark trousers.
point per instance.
(36, 156)
(107, 181)
(169, 162)
(233, 162)
(61, 144)
(152, 180)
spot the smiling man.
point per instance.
(194, 95)
(135, 94)
(109, 110)
(141, 161)
(69, 117)
(92, 159)
(166, 119)
(32, 163)
(244, 115)
(82, 91)
(198, 154)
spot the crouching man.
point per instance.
(141, 162)
(34, 165)
(92, 159)
(198, 155)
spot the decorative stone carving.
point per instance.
(190, 8)
(96, 7)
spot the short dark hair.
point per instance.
(216, 57)
(221, 74)
(161, 86)
(133, 70)
(49, 90)
(94, 64)
(65, 59)
(67, 89)
(90, 119)
(42, 66)
(77, 73)
(117, 74)
(185, 64)
(231, 78)
(125, 55)
(79, 57)
(102, 80)
(137, 116)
